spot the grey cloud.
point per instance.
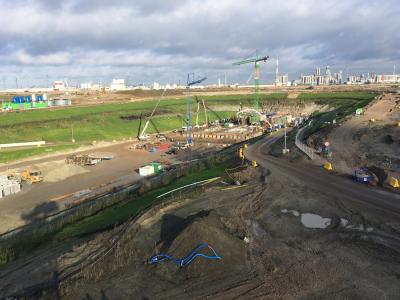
(149, 39)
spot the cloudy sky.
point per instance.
(163, 40)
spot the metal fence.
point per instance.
(303, 147)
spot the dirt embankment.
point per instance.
(277, 239)
(372, 139)
(272, 241)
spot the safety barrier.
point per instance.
(304, 148)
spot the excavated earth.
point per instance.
(277, 239)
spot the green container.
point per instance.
(40, 104)
(6, 105)
(156, 166)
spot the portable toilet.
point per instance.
(28, 99)
(39, 98)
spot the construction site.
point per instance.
(260, 194)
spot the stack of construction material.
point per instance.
(8, 187)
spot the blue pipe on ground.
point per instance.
(188, 259)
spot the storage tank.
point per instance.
(62, 102)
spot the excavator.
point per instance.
(31, 177)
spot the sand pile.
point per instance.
(55, 171)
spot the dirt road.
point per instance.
(387, 203)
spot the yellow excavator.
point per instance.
(31, 177)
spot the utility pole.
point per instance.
(285, 149)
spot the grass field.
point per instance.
(344, 105)
(107, 121)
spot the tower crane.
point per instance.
(256, 60)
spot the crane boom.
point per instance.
(252, 60)
(143, 133)
(256, 61)
(196, 81)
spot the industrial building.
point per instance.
(280, 80)
(118, 85)
(318, 79)
(58, 85)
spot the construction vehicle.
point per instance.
(31, 177)
(143, 136)
(362, 175)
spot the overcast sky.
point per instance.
(163, 40)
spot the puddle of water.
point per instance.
(293, 212)
(344, 222)
(356, 227)
(258, 231)
(314, 221)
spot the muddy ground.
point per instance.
(260, 230)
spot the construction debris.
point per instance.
(83, 160)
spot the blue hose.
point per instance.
(188, 259)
